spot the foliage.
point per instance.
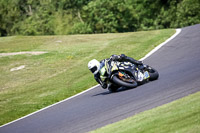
(110, 16)
(81, 28)
(9, 15)
(62, 23)
(188, 13)
(30, 17)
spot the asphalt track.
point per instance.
(178, 63)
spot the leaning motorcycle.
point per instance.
(126, 74)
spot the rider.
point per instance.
(98, 69)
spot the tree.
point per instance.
(110, 16)
(9, 15)
(75, 6)
(188, 13)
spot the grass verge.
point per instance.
(181, 116)
(62, 72)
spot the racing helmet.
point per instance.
(94, 66)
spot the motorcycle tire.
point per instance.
(153, 73)
(119, 82)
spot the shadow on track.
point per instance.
(121, 89)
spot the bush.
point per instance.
(62, 23)
(106, 16)
(81, 28)
(188, 13)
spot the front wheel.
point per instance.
(119, 82)
(153, 73)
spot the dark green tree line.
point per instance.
(52, 17)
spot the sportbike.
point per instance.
(126, 74)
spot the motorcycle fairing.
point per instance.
(114, 66)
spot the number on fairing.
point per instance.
(146, 75)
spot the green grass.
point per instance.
(62, 72)
(181, 116)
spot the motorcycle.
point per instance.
(126, 74)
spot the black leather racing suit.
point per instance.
(119, 58)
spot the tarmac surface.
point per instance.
(178, 63)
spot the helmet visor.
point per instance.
(93, 69)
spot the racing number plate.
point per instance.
(146, 75)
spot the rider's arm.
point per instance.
(98, 79)
(123, 57)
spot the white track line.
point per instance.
(162, 44)
(150, 53)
